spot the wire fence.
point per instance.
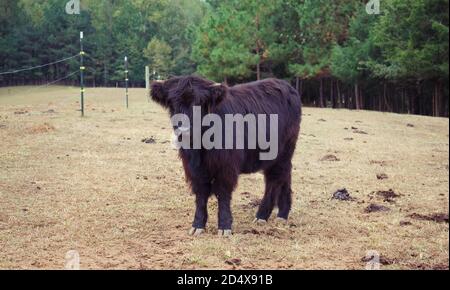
(39, 66)
(81, 71)
(58, 80)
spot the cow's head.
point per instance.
(181, 94)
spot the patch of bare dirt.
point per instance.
(376, 208)
(423, 266)
(382, 163)
(233, 262)
(252, 204)
(388, 195)
(383, 260)
(382, 176)
(40, 129)
(405, 223)
(51, 111)
(150, 140)
(330, 158)
(357, 131)
(437, 217)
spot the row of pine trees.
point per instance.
(334, 52)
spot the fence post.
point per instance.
(81, 74)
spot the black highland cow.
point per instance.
(216, 171)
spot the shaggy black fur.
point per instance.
(216, 171)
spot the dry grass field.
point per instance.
(91, 185)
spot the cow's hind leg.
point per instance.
(274, 181)
(285, 199)
(278, 186)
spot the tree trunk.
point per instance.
(301, 89)
(339, 97)
(385, 98)
(348, 99)
(417, 102)
(361, 98)
(105, 75)
(357, 96)
(321, 103)
(380, 104)
(437, 99)
(333, 99)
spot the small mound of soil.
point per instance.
(330, 157)
(382, 176)
(251, 231)
(252, 204)
(360, 132)
(437, 217)
(441, 266)
(141, 177)
(51, 111)
(150, 140)
(234, 262)
(382, 163)
(389, 195)
(385, 261)
(376, 208)
(343, 195)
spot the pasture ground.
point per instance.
(93, 186)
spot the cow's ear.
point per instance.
(158, 93)
(217, 93)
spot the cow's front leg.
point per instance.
(202, 192)
(223, 187)
(225, 216)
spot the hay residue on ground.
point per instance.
(93, 186)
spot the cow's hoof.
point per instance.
(281, 221)
(196, 232)
(260, 221)
(224, 233)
